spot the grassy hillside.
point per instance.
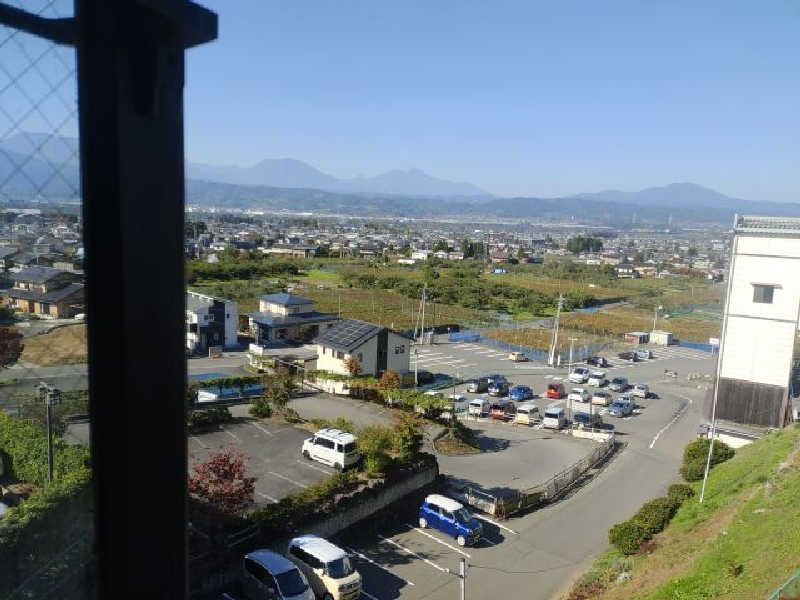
(60, 346)
(741, 543)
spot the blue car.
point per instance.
(620, 408)
(450, 517)
(520, 393)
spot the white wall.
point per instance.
(757, 347)
(368, 350)
(398, 362)
(231, 323)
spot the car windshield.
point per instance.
(463, 515)
(618, 380)
(351, 447)
(291, 583)
(339, 568)
(551, 414)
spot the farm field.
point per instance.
(60, 346)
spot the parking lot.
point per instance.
(272, 452)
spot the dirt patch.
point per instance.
(451, 446)
(60, 346)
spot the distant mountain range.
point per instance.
(291, 173)
(34, 165)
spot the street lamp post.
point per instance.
(655, 315)
(569, 399)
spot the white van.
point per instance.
(527, 414)
(457, 405)
(597, 379)
(554, 417)
(479, 407)
(332, 447)
(327, 567)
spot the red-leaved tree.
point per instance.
(221, 481)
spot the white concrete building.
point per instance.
(760, 322)
(376, 348)
(210, 322)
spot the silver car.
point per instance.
(641, 390)
(619, 384)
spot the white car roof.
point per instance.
(641, 385)
(579, 390)
(526, 406)
(444, 502)
(598, 373)
(318, 547)
(337, 434)
(480, 400)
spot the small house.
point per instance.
(375, 348)
(637, 337)
(662, 338)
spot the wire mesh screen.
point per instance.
(39, 158)
(46, 534)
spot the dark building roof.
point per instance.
(52, 296)
(6, 251)
(24, 258)
(285, 299)
(37, 274)
(273, 320)
(348, 334)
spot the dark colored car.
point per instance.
(587, 420)
(520, 393)
(597, 361)
(629, 356)
(498, 388)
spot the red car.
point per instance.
(555, 391)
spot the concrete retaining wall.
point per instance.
(391, 493)
(589, 434)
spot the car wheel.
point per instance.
(327, 596)
(423, 524)
(461, 540)
(306, 455)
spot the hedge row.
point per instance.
(651, 518)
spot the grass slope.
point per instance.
(60, 346)
(741, 543)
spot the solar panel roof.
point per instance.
(347, 334)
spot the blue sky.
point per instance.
(520, 98)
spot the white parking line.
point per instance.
(367, 594)
(677, 416)
(232, 435)
(488, 541)
(435, 539)
(292, 481)
(375, 564)
(412, 553)
(495, 523)
(270, 498)
(262, 428)
(199, 443)
(316, 468)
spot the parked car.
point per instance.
(326, 567)
(597, 379)
(619, 384)
(267, 574)
(495, 377)
(620, 409)
(517, 357)
(579, 395)
(450, 517)
(641, 390)
(498, 388)
(479, 407)
(644, 354)
(332, 447)
(554, 417)
(502, 409)
(601, 398)
(555, 391)
(597, 361)
(478, 386)
(586, 420)
(520, 393)
(579, 375)
(527, 414)
(629, 356)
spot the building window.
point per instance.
(762, 294)
(339, 354)
(400, 349)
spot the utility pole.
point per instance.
(462, 575)
(51, 396)
(554, 339)
(569, 399)
(655, 315)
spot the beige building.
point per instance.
(287, 318)
(375, 348)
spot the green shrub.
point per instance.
(678, 492)
(627, 536)
(406, 439)
(695, 456)
(260, 408)
(374, 443)
(654, 515)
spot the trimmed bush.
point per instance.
(655, 515)
(693, 470)
(696, 453)
(627, 536)
(260, 408)
(678, 492)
